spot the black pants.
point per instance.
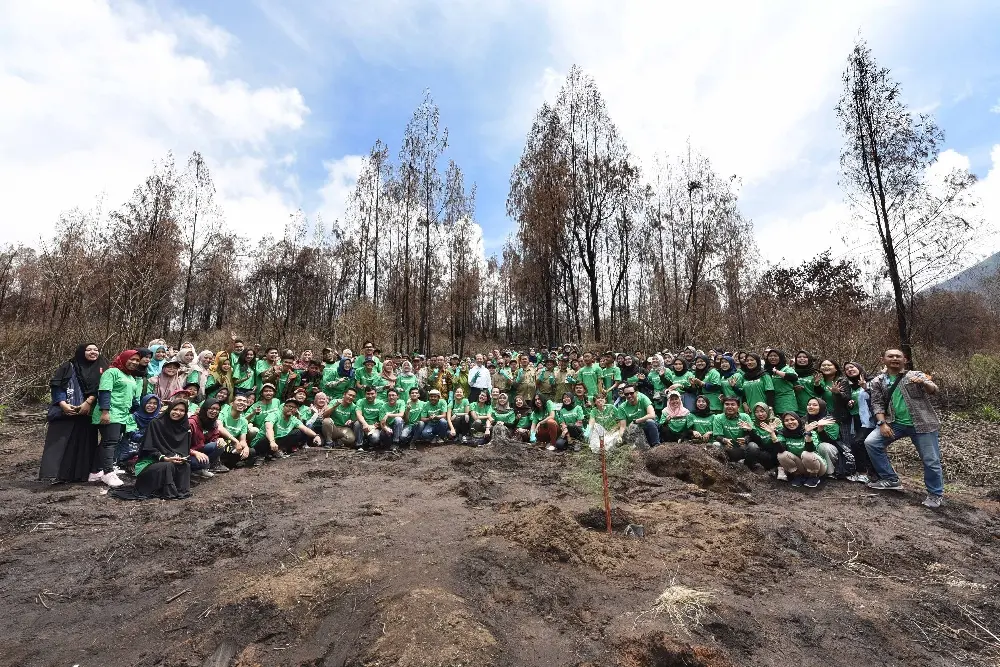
(104, 458)
(574, 432)
(666, 435)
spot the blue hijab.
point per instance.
(154, 366)
(733, 367)
(142, 418)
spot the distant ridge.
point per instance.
(972, 279)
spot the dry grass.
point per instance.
(684, 607)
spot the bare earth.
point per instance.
(476, 557)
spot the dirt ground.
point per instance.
(493, 557)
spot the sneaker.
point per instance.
(782, 475)
(858, 477)
(95, 477)
(328, 444)
(360, 450)
(281, 455)
(218, 467)
(111, 479)
(933, 501)
(203, 473)
(551, 448)
(812, 482)
(885, 485)
(796, 481)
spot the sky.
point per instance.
(284, 97)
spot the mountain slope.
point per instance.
(973, 278)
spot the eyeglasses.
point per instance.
(628, 393)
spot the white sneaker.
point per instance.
(782, 475)
(551, 448)
(203, 473)
(111, 479)
(95, 477)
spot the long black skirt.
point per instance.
(164, 479)
(69, 449)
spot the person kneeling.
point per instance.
(797, 453)
(279, 435)
(675, 420)
(163, 469)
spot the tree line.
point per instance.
(606, 250)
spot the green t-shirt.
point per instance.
(244, 378)
(434, 410)
(282, 425)
(123, 391)
(729, 390)
(855, 392)
(237, 426)
(341, 414)
(570, 415)
(713, 378)
(657, 379)
(793, 445)
(507, 417)
(610, 376)
(683, 380)
(755, 391)
(676, 424)
(458, 408)
(702, 425)
(608, 417)
(539, 416)
(404, 383)
(784, 391)
(370, 411)
(414, 411)
(631, 412)
(482, 411)
(399, 407)
(364, 378)
(588, 376)
(262, 366)
(808, 390)
(266, 408)
(723, 427)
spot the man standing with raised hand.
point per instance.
(900, 401)
(479, 379)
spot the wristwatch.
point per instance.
(880, 422)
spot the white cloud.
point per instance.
(94, 91)
(341, 175)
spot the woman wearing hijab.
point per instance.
(406, 379)
(678, 377)
(163, 470)
(338, 378)
(220, 374)
(186, 355)
(675, 420)
(729, 372)
(169, 381)
(116, 395)
(807, 374)
(784, 379)
(755, 385)
(762, 447)
(142, 414)
(797, 452)
(71, 438)
(702, 419)
(156, 363)
(826, 437)
(706, 381)
(208, 439)
(200, 372)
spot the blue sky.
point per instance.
(282, 97)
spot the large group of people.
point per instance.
(165, 416)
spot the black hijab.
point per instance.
(855, 382)
(702, 412)
(782, 361)
(822, 411)
(798, 433)
(208, 424)
(628, 370)
(756, 372)
(166, 437)
(702, 373)
(803, 371)
(683, 361)
(88, 373)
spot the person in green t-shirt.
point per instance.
(232, 418)
(702, 419)
(610, 376)
(391, 417)
(704, 381)
(543, 422)
(117, 394)
(288, 377)
(481, 415)
(245, 372)
(570, 418)
(730, 372)
(678, 377)
(605, 423)
(459, 417)
(282, 431)
(797, 453)
(783, 379)
(754, 384)
(808, 378)
(406, 379)
(411, 416)
(366, 429)
(588, 375)
(731, 430)
(434, 417)
(636, 408)
(338, 422)
(826, 436)
(260, 410)
(675, 420)
(762, 447)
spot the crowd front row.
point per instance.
(165, 419)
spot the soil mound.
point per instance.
(657, 649)
(551, 533)
(694, 465)
(431, 626)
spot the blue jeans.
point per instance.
(652, 431)
(927, 446)
(209, 450)
(434, 427)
